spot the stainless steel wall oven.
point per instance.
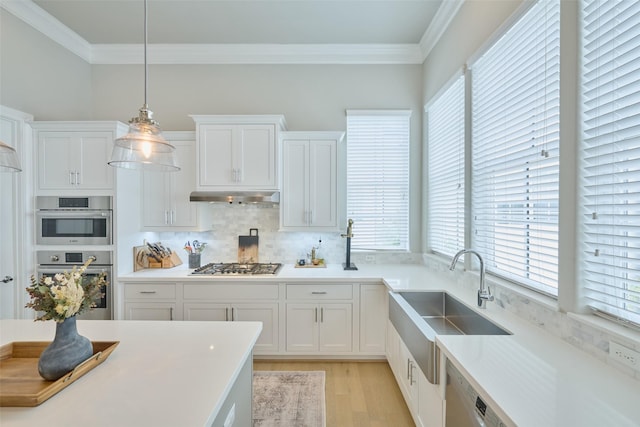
(74, 220)
(53, 262)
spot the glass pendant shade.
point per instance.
(8, 159)
(144, 147)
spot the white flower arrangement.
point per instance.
(66, 294)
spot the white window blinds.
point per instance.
(378, 178)
(515, 148)
(611, 157)
(445, 170)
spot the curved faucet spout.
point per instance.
(484, 293)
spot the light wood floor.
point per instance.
(358, 394)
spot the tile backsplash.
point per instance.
(231, 221)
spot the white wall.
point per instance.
(40, 77)
(311, 97)
(469, 30)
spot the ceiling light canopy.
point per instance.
(144, 147)
(9, 161)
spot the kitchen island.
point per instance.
(160, 374)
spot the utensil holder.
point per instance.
(194, 260)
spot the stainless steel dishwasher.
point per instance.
(465, 408)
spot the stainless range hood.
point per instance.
(236, 197)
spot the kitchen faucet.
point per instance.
(348, 265)
(484, 293)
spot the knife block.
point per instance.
(142, 260)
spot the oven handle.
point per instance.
(74, 213)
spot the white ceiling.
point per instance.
(190, 31)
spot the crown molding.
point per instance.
(440, 22)
(258, 54)
(350, 54)
(41, 20)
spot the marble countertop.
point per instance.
(161, 373)
(531, 378)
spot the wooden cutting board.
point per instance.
(248, 247)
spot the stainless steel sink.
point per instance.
(420, 316)
(448, 316)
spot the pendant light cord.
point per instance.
(145, 53)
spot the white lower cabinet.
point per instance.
(308, 318)
(374, 309)
(150, 301)
(422, 398)
(237, 302)
(319, 318)
(324, 328)
(149, 311)
(267, 313)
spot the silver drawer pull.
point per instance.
(318, 293)
(147, 292)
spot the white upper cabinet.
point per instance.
(165, 196)
(309, 199)
(237, 152)
(73, 155)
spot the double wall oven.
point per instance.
(83, 227)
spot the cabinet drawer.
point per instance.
(319, 292)
(236, 291)
(149, 291)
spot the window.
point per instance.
(515, 149)
(445, 169)
(610, 157)
(378, 178)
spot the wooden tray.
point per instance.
(320, 265)
(20, 382)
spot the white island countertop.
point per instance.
(531, 378)
(161, 373)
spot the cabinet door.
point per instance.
(95, 152)
(156, 188)
(336, 328)
(183, 212)
(302, 327)
(207, 311)
(295, 185)
(431, 406)
(256, 159)
(323, 189)
(75, 160)
(149, 311)
(265, 313)
(165, 196)
(408, 380)
(373, 318)
(216, 156)
(57, 160)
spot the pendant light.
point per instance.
(144, 147)
(8, 159)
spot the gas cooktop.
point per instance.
(237, 269)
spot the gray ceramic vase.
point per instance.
(67, 351)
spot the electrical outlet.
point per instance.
(624, 355)
(369, 258)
